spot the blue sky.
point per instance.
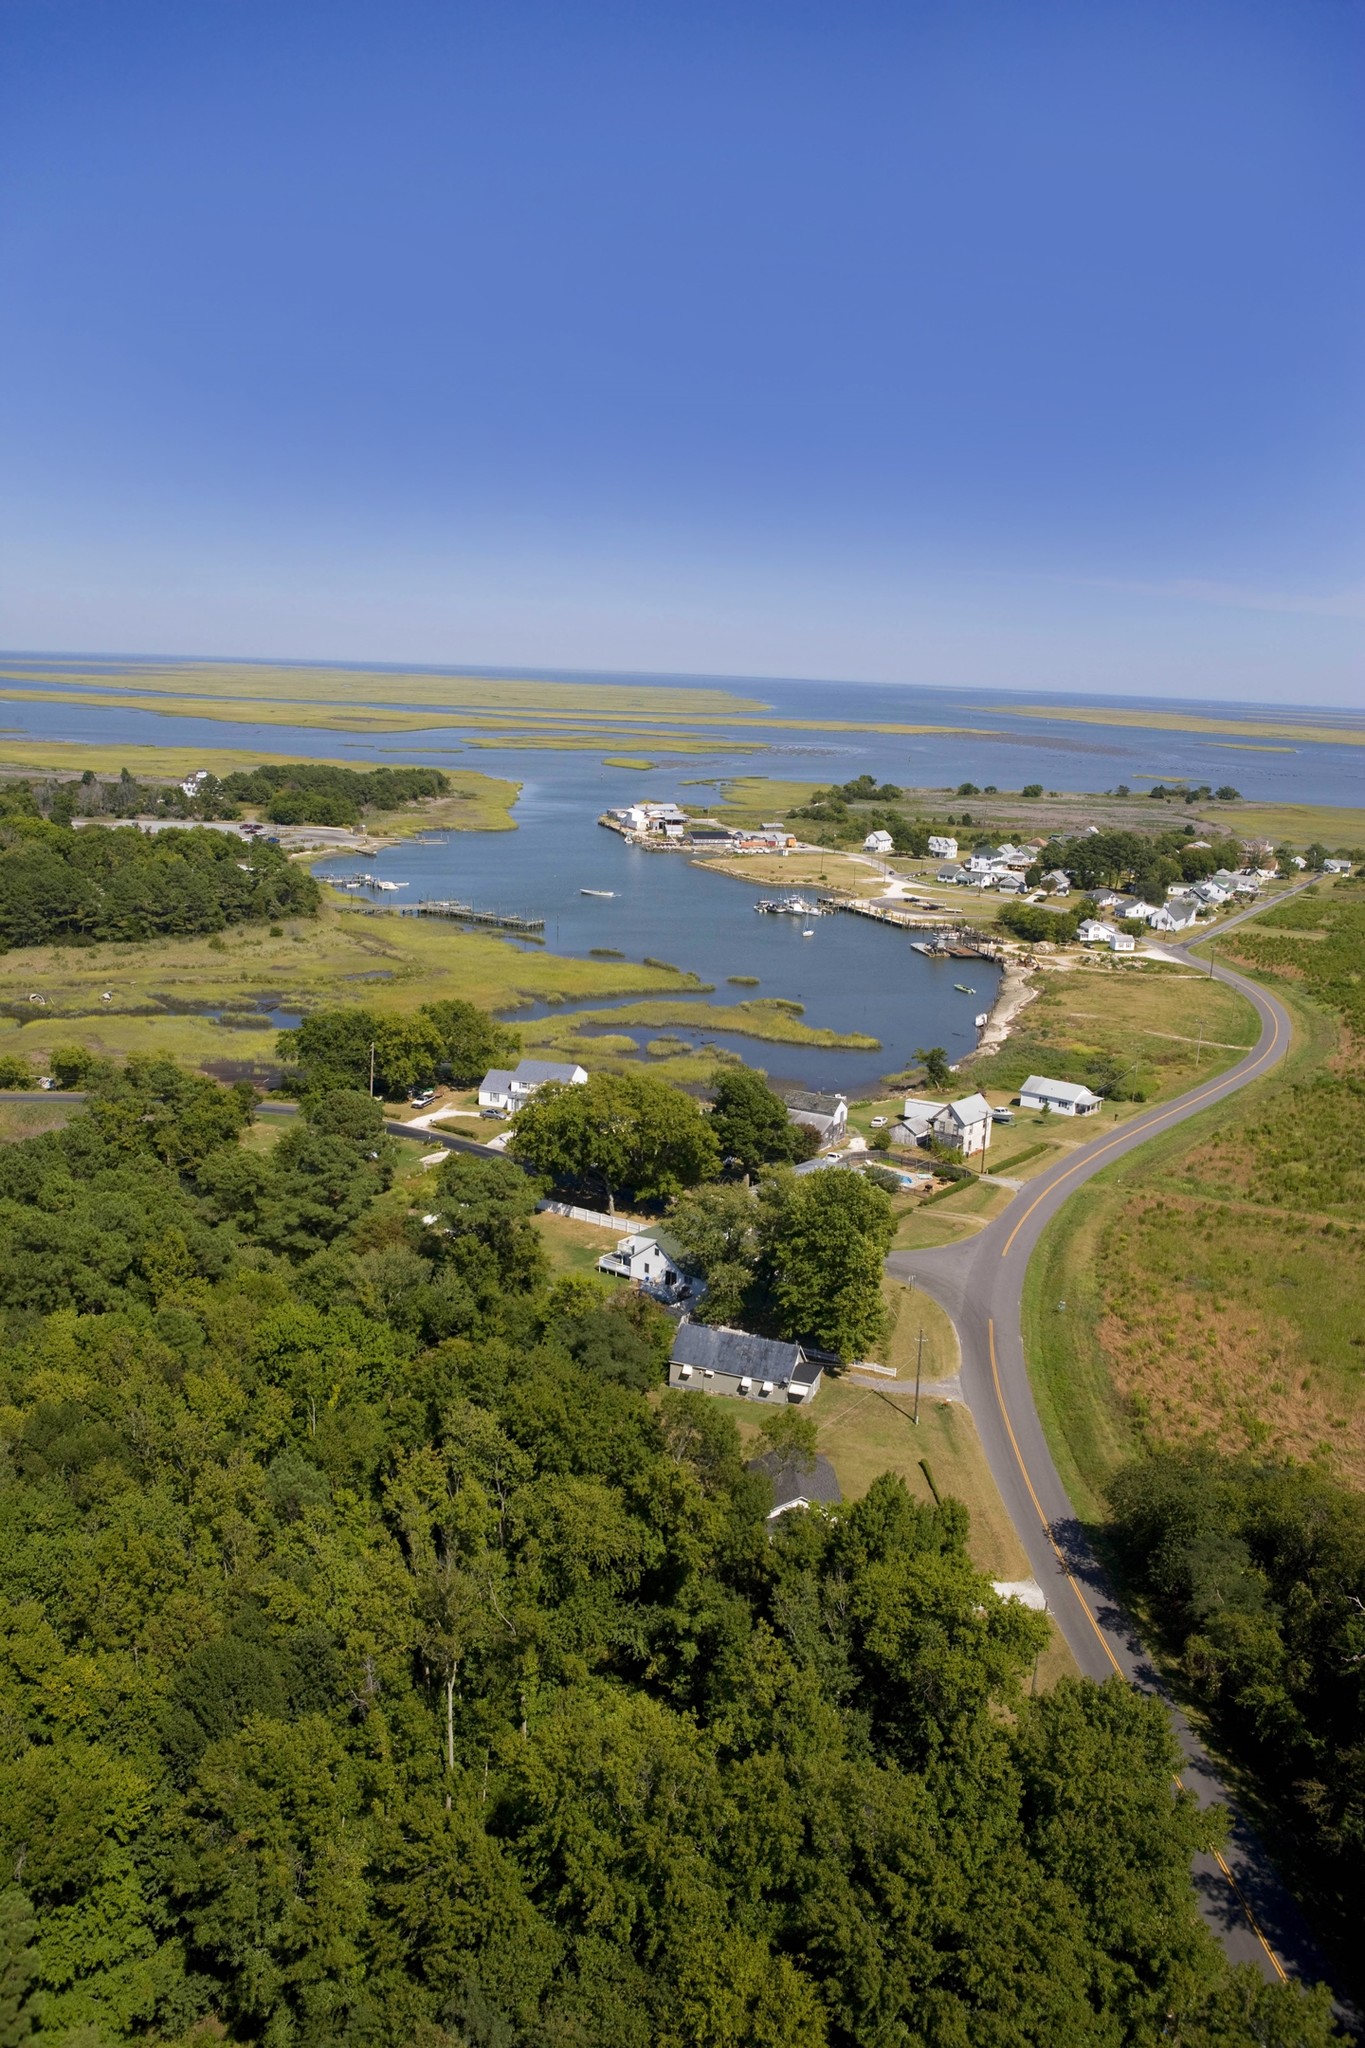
(1016, 346)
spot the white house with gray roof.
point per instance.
(717, 1360)
(652, 1260)
(507, 1091)
(1063, 1098)
(964, 1125)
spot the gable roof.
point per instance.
(817, 1105)
(736, 1353)
(537, 1072)
(969, 1109)
(1060, 1091)
(793, 1480)
(496, 1081)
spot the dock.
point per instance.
(465, 913)
(949, 941)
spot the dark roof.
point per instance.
(793, 1480)
(736, 1353)
(817, 1105)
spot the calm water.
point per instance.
(851, 975)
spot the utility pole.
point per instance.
(919, 1364)
(1212, 943)
(1199, 1050)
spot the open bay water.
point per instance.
(852, 975)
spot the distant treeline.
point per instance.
(289, 793)
(57, 883)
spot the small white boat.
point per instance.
(808, 934)
(597, 892)
(963, 989)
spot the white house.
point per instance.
(1211, 894)
(951, 874)
(1175, 915)
(1336, 867)
(1093, 931)
(878, 842)
(1063, 1098)
(987, 858)
(194, 783)
(963, 1125)
(826, 1115)
(651, 1261)
(508, 1092)
(1058, 880)
(944, 845)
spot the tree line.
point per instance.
(287, 792)
(60, 884)
(386, 1660)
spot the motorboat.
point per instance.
(597, 892)
(963, 989)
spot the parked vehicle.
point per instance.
(1002, 1116)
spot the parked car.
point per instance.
(877, 1122)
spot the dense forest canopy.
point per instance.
(59, 883)
(387, 1659)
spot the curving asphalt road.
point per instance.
(980, 1283)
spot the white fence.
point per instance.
(618, 1222)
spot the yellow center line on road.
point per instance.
(1103, 1640)
(1177, 1109)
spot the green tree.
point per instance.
(750, 1121)
(617, 1134)
(471, 1040)
(19, 2008)
(934, 1060)
(717, 1227)
(824, 1237)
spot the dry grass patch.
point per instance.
(1245, 1328)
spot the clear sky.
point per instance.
(1013, 345)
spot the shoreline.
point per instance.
(1015, 993)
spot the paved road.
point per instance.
(980, 1284)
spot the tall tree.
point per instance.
(618, 1134)
(824, 1237)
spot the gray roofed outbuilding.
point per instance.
(796, 1483)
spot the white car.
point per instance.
(877, 1122)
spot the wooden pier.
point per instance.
(465, 913)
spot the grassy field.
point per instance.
(801, 872)
(1345, 734)
(574, 1247)
(30, 1119)
(264, 682)
(160, 993)
(1299, 824)
(758, 1018)
(1215, 1283)
(1173, 1026)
